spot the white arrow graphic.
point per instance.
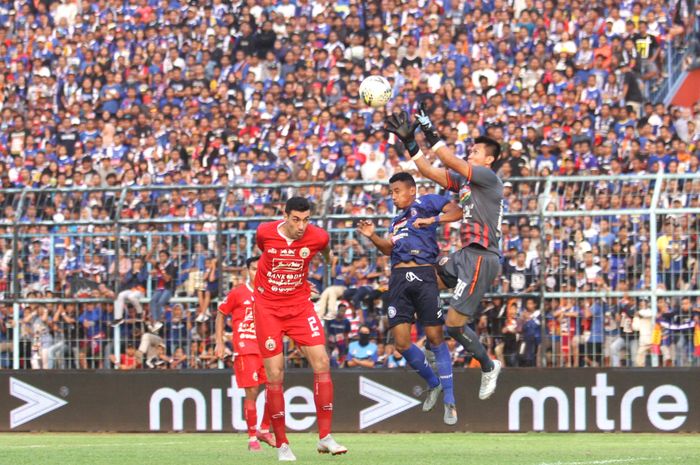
(38, 403)
(390, 402)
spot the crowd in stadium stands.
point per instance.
(113, 94)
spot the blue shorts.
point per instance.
(414, 294)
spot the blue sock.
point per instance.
(444, 367)
(416, 358)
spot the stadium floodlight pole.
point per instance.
(653, 247)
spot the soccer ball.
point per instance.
(375, 91)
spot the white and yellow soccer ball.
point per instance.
(375, 91)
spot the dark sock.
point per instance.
(469, 340)
(416, 358)
(444, 367)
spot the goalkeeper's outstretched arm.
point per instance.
(438, 146)
(399, 125)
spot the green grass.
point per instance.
(365, 449)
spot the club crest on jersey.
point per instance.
(414, 212)
(304, 252)
(443, 261)
(391, 311)
(465, 193)
(270, 344)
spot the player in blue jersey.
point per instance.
(471, 270)
(413, 287)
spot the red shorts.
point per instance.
(301, 324)
(249, 370)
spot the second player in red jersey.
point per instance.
(283, 307)
(247, 363)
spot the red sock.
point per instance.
(323, 398)
(251, 417)
(275, 403)
(265, 423)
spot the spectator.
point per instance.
(531, 334)
(134, 289)
(645, 327)
(209, 287)
(177, 328)
(163, 273)
(327, 306)
(127, 360)
(362, 352)
(338, 330)
(393, 359)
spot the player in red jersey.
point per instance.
(282, 306)
(247, 364)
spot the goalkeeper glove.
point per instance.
(429, 130)
(399, 125)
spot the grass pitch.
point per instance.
(364, 449)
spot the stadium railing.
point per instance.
(116, 224)
(653, 262)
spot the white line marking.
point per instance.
(48, 446)
(603, 462)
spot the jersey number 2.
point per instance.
(313, 324)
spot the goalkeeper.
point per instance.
(471, 270)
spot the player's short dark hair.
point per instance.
(297, 204)
(403, 177)
(491, 144)
(251, 260)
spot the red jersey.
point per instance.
(239, 305)
(283, 268)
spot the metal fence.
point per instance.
(633, 298)
(586, 261)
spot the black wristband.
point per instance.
(412, 147)
(432, 137)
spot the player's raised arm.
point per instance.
(399, 125)
(446, 156)
(451, 212)
(367, 229)
(476, 167)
